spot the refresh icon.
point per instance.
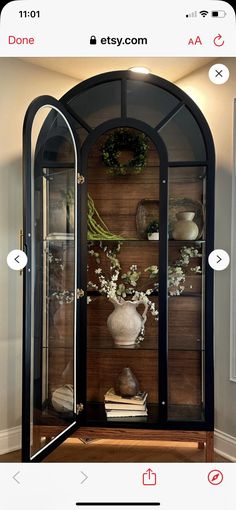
(218, 40)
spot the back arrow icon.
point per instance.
(15, 477)
(16, 259)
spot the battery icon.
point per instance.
(218, 14)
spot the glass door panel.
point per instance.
(183, 137)
(186, 293)
(123, 280)
(149, 103)
(51, 278)
(98, 104)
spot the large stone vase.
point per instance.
(125, 323)
(185, 229)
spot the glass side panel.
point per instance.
(186, 289)
(148, 102)
(122, 325)
(183, 138)
(98, 104)
(54, 144)
(59, 202)
(53, 279)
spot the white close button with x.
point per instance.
(218, 74)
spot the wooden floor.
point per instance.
(73, 450)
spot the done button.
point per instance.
(12, 39)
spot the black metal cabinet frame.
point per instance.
(92, 133)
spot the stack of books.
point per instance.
(120, 407)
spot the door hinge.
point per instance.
(79, 408)
(79, 293)
(80, 178)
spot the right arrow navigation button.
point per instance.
(219, 260)
(84, 477)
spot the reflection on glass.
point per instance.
(186, 267)
(53, 278)
(98, 104)
(183, 137)
(153, 102)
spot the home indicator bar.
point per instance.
(123, 505)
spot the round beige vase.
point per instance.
(185, 229)
(125, 323)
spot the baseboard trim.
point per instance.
(10, 440)
(225, 445)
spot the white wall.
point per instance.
(20, 83)
(216, 102)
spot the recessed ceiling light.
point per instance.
(143, 70)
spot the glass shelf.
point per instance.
(96, 293)
(51, 346)
(172, 241)
(121, 348)
(70, 237)
(59, 237)
(57, 164)
(141, 348)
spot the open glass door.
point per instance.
(50, 154)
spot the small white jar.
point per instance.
(154, 236)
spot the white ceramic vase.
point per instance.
(125, 323)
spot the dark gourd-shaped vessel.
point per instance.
(127, 384)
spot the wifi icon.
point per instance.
(203, 13)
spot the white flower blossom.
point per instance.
(117, 286)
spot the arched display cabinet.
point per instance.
(70, 357)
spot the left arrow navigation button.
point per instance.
(17, 260)
(16, 477)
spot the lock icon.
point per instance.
(93, 39)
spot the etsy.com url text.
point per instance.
(121, 40)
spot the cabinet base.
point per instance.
(204, 439)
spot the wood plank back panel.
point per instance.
(184, 328)
(184, 377)
(104, 367)
(116, 197)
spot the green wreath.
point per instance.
(123, 139)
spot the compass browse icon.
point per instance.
(215, 477)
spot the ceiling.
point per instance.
(81, 68)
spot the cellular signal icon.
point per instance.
(192, 14)
(203, 13)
